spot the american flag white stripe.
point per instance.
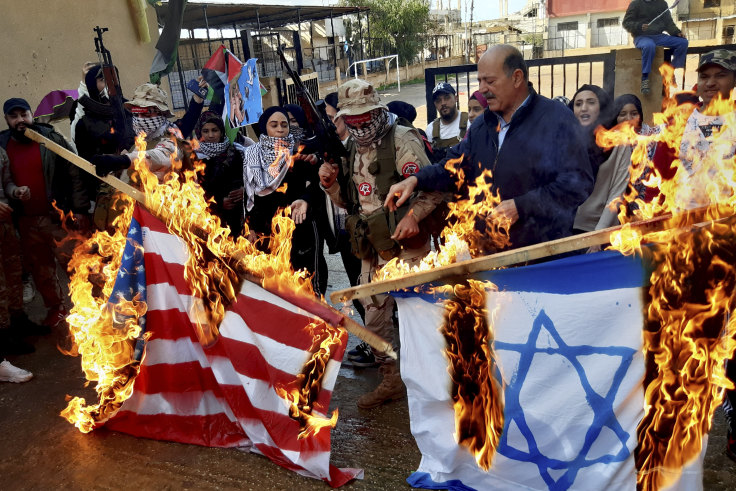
(224, 395)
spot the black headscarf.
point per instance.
(331, 99)
(624, 99)
(209, 117)
(596, 154)
(403, 110)
(90, 80)
(605, 117)
(263, 120)
(298, 114)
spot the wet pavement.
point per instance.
(40, 450)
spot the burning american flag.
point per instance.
(236, 392)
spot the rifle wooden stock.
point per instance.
(312, 305)
(463, 269)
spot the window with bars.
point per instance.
(567, 26)
(607, 22)
(709, 4)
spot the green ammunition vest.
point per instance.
(438, 142)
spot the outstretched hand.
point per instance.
(400, 192)
(299, 211)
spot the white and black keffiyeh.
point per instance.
(208, 150)
(265, 165)
(153, 127)
(380, 123)
(297, 132)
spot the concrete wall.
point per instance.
(558, 8)
(628, 79)
(47, 42)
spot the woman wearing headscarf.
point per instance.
(627, 107)
(592, 108)
(222, 179)
(477, 103)
(274, 180)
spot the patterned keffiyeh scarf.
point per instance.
(297, 132)
(209, 150)
(265, 165)
(153, 127)
(380, 122)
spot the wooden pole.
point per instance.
(310, 304)
(506, 258)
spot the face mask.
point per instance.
(372, 131)
(148, 125)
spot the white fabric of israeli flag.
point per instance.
(567, 335)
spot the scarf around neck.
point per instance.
(265, 165)
(208, 150)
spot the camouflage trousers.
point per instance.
(11, 271)
(379, 309)
(38, 236)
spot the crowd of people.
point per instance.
(371, 205)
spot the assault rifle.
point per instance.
(325, 134)
(122, 129)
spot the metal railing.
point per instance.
(596, 69)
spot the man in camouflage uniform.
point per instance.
(384, 153)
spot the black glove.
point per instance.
(105, 164)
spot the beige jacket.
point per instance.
(410, 157)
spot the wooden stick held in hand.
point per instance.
(311, 305)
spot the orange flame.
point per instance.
(301, 398)
(472, 228)
(690, 330)
(477, 395)
(105, 334)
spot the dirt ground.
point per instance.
(42, 451)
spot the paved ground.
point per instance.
(40, 450)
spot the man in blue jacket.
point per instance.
(531, 144)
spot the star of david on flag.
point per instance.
(567, 342)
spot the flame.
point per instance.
(473, 228)
(690, 331)
(104, 345)
(302, 397)
(105, 331)
(477, 395)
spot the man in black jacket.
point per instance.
(532, 146)
(647, 20)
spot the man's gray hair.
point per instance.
(515, 61)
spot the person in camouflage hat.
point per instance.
(150, 111)
(716, 74)
(383, 153)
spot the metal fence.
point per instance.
(550, 76)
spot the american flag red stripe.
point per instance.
(224, 396)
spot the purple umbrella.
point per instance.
(56, 104)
